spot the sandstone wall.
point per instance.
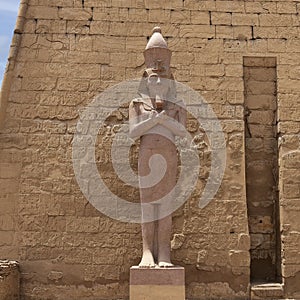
(67, 51)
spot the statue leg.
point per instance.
(164, 244)
(147, 260)
(165, 223)
(148, 229)
(148, 234)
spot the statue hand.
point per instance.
(154, 114)
(162, 116)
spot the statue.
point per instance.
(156, 118)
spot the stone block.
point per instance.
(99, 27)
(98, 3)
(180, 57)
(42, 12)
(257, 45)
(275, 20)
(218, 18)
(39, 84)
(181, 17)
(6, 238)
(244, 19)
(61, 3)
(261, 242)
(9, 280)
(82, 224)
(234, 70)
(261, 102)
(198, 17)
(129, 60)
(235, 45)
(264, 62)
(7, 203)
(78, 14)
(260, 88)
(278, 45)
(293, 44)
(291, 160)
(94, 57)
(137, 14)
(260, 117)
(9, 186)
(51, 26)
(199, 31)
(260, 7)
(291, 257)
(289, 216)
(197, 6)
(260, 74)
(10, 170)
(224, 32)
(264, 32)
(111, 43)
(287, 32)
(157, 283)
(291, 190)
(78, 27)
(29, 26)
(239, 258)
(156, 4)
(264, 131)
(288, 86)
(156, 15)
(106, 14)
(243, 242)
(72, 85)
(82, 43)
(242, 33)
(230, 6)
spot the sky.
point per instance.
(8, 16)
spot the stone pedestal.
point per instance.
(157, 283)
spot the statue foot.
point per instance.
(165, 264)
(147, 261)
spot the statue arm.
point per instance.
(139, 127)
(176, 126)
(182, 116)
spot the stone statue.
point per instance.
(156, 118)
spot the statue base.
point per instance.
(157, 283)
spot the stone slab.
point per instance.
(155, 292)
(267, 291)
(157, 283)
(157, 276)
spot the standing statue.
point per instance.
(156, 118)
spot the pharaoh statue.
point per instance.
(156, 118)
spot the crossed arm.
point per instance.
(139, 127)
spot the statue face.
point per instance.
(157, 86)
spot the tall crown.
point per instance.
(157, 55)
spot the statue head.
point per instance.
(157, 54)
(157, 78)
